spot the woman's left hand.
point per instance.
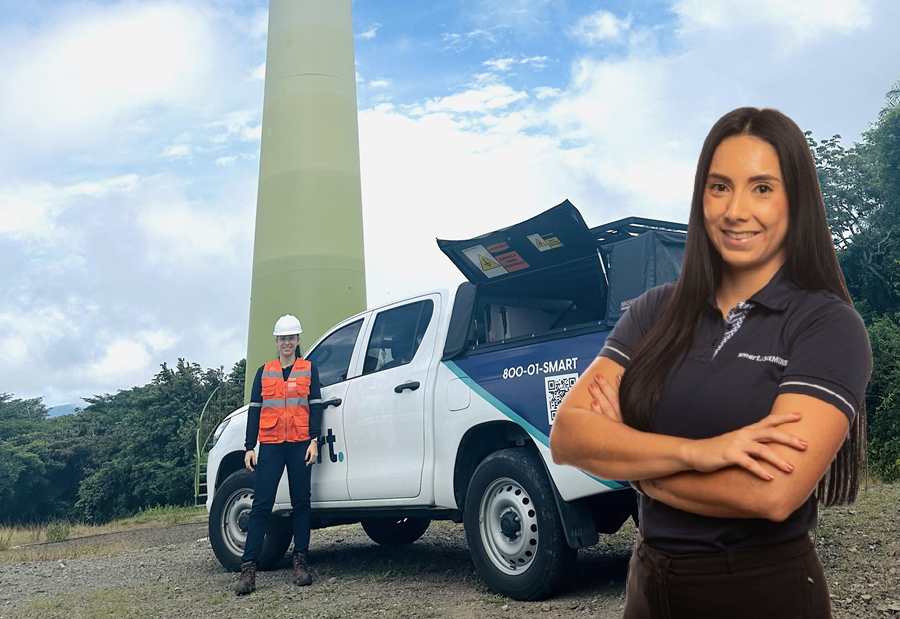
(312, 452)
(605, 398)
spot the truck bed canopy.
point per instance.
(555, 256)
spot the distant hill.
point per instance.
(62, 409)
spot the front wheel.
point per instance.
(513, 529)
(229, 516)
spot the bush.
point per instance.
(57, 531)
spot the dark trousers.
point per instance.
(767, 582)
(273, 457)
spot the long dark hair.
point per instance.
(811, 264)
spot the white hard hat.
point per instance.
(288, 325)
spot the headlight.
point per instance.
(219, 432)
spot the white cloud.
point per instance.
(118, 362)
(129, 268)
(259, 73)
(545, 92)
(259, 24)
(177, 151)
(601, 26)
(379, 83)
(469, 178)
(30, 212)
(519, 15)
(236, 123)
(370, 33)
(114, 63)
(803, 20)
(505, 64)
(127, 361)
(499, 64)
(492, 96)
(455, 42)
(226, 161)
(538, 62)
(179, 232)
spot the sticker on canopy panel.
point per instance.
(544, 244)
(496, 248)
(512, 261)
(485, 262)
(556, 387)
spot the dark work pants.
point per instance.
(273, 457)
(767, 582)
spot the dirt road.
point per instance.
(175, 575)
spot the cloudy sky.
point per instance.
(129, 146)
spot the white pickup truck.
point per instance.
(440, 406)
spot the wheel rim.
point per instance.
(507, 522)
(235, 516)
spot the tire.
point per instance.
(391, 531)
(513, 528)
(228, 519)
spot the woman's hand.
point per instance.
(605, 398)
(312, 452)
(250, 460)
(747, 447)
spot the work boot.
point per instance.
(247, 582)
(301, 572)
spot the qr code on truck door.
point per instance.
(556, 387)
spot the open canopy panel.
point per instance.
(524, 254)
(553, 269)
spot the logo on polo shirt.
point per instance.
(763, 358)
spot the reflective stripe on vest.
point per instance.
(284, 413)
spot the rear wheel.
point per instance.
(229, 516)
(388, 531)
(513, 527)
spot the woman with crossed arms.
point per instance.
(733, 398)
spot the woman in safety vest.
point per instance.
(286, 416)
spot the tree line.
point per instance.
(136, 449)
(120, 454)
(861, 189)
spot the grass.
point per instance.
(105, 604)
(6, 540)
(166, 516)
(24, 543)
(874, 510)
(29, 554)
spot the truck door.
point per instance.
(385, 426)
(333, 357)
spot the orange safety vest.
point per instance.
(284, 415)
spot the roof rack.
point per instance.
(630, 227)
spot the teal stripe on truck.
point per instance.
(514, 416)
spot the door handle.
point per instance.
(332, 402)
(412, 385)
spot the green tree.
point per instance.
(18, 417)
(148, 440)
(883, 398)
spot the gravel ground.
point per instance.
(177, 576)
